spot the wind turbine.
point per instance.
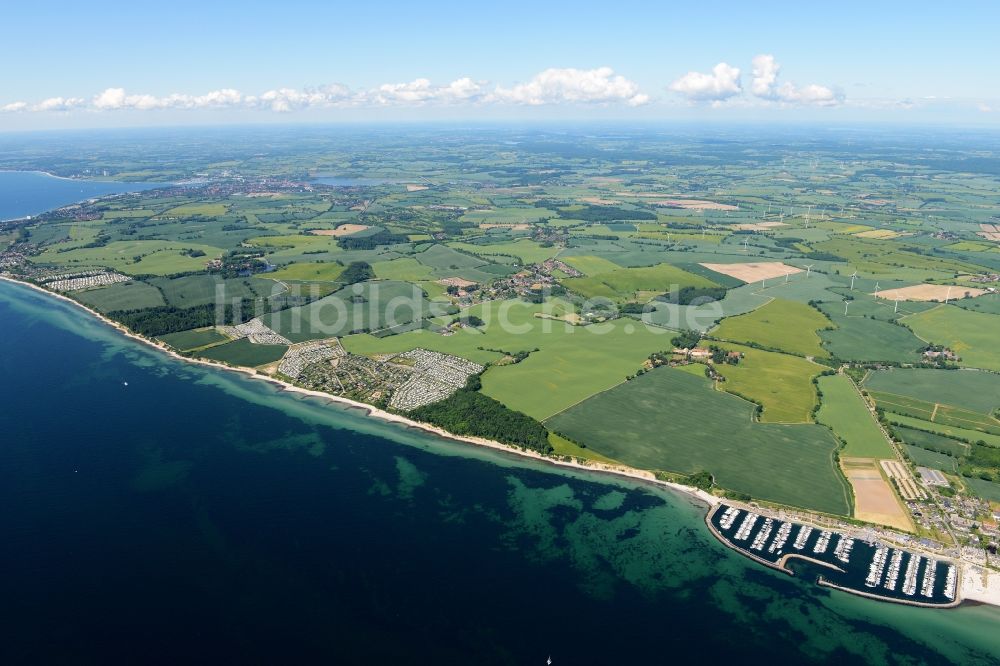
(854, 276)
(809, 268)
(896, 308)
(808, 212)
(846, 303)
(947, 296)
(787, 273)
(746, 244)
(876, 289)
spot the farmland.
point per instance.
(844, 411)
(972, 335)
(785, 325)
(565, 265)
(975, 391)
(780, 383)
(673, 421)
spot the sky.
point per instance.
(124, 64)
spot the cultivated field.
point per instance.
(929, 292)
(342, 230)
(972, 335)
(781, 383)
(785, 325)
(874, 499)
(626, 283)
(671, 420)
(972, 390)
(186, 340)
(573, 362)
(245, 353)
(754, 271)
(845, 412)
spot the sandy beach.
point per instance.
(602, 468)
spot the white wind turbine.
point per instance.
(876, 289)
(746, 244)
(846, 303)
(896, 308)
(854, 276)
(809, 268)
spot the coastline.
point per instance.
(68, 179)
(603, 468)
(977, 584)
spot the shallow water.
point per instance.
(199, 514)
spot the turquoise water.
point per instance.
(198, 515)
(24, 193)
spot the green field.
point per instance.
(573, 362)
(972, 390)
(625, 283)
(846, 413)
(931, 459)
(936, 412)
(859, 338)
(781, 324)
(122, 296)
(781, 383)
(243, 352)
(308, 272)
(931, 441)
(363, 306)
(186, 340)
(404, 268)
(193, 290)
(947, 430)
(988, 490)
(674, 421)
(153, 257)
(527, 251)
(971, 335)
(590, 265)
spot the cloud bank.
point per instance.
(724, 83)
(551, 86)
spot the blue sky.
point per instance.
(122, 64)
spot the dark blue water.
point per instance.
(199, 516)
(24, 193)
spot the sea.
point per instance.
(24, 193)
(158, 512)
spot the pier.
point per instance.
(865, 568)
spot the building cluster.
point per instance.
(256, 331)
(355, 377)
(435, 377)
(299, 356)
(87, 280)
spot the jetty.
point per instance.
(865, 568)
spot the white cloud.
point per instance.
(556, 86)
(721, 84)
(552, 86)
(765, 75)
(765, 86)
(112, 98)
(59, 104)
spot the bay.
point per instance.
(24, 193)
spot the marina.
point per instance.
(866, 568)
